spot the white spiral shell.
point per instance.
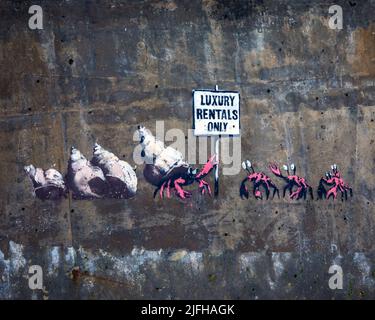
(117, 172)
(163, 158)
(85, 180)
(48, 184)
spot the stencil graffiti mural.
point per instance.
(104, 176)
(292, 181)
(335, 183)
(259, 179)
(166, 169)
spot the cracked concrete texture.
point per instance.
(100, 68)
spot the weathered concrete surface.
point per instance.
(100, 68)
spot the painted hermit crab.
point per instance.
(292, 180)
(166, 169)
(335, 183)
(258, 179)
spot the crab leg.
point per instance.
(296, 193)
(162, 190)
(181, 192)
(203, 185)
(244, 191)
(169, 188)
(332, 192)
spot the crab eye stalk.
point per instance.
(285, 167)
(244, 165)
(248, 163)
(292, 166)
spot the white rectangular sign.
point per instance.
(216, 112)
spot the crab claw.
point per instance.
(209, 165)
(275, 169)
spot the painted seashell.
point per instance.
(48, 184)
(155, 153)
(121, 178)
(84, 179)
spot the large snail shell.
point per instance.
(85, 180)
(119, 174)
(164, 159)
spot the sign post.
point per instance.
(217, 152)
(216, 113)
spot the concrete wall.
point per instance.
(100, 68)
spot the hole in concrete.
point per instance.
(156, 86)
(347, 94)
(23, 209)
(316, 98)
(37, 81)
(268, 90)
(29, 109)
(211, 277)
(71, 61)
(72, 210)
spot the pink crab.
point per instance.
(185, 175)
(292, 180)
(258, 179)
(336, 183)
